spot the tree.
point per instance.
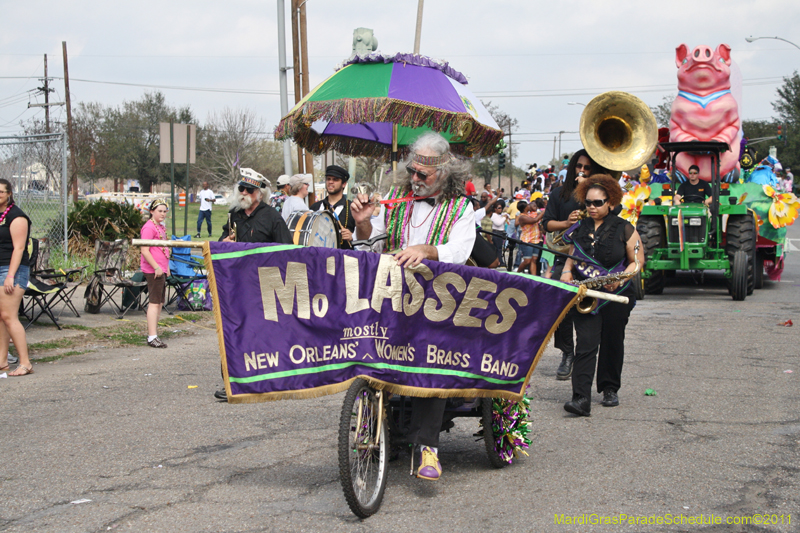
(232, 139)
(663, 111)
(788, 108)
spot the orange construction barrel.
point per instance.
(182, 199)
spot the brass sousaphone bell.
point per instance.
(618, 131)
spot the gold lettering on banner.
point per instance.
(416, 292)
(388, 269)
(472, 300)
(440, 284)
(260, 361)
(320, 305)
(272, 286)
(497, 325)
(330, 265)
(352, 280)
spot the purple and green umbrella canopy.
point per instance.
(353, 111)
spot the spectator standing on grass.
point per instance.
(207, 199)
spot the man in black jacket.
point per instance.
(254, 221)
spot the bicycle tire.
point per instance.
(489, 436)
(362, 472)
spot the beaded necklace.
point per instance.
(161, 236)
(3, 216)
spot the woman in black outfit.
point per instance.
(15, 230)
(607, 243)
(562, 211)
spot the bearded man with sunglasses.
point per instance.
(254, 220)
(429, 194)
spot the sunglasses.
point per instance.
(249, 190)
(411, 171)
(587, 168)
(595, 203)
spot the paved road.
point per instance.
(123, 429)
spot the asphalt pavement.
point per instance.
(130, 438)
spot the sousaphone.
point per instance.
(618, 131)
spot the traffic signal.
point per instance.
(780, 132)
(501, 160)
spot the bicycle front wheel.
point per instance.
(363, 449)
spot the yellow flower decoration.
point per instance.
(633, 201)
(784, 209)
(644, 175)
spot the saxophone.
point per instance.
(589, 304)
(231, 228)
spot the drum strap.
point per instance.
(298, 227)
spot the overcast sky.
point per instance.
(529, 57)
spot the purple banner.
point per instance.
(297, 322)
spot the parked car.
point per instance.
(220, 200)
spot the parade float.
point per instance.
(743, 230)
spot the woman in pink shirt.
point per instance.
(155, 265)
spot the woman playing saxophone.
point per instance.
(608, 245)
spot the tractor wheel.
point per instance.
(638, 286)
(741, 235)
(738, 282)
(651, 230)
(759, 273)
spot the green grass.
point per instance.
(219, 217)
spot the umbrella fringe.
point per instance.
(363, 110)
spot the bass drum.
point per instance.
(314, 228)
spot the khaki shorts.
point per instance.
(157, 287)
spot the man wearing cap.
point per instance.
(435, 181)
(207, 198)
(252, 220)
(298, 190)
(279, 196)
(335, 179)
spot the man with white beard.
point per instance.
(254, 220)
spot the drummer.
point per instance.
(335, 179)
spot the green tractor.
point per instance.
(693, 236)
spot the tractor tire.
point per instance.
(741, 235)
(651, 230)
(738, 282)
(638, 286)
(759, 273)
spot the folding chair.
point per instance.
(108, 269)
(71, 278)
(41, 294)
(184, 269)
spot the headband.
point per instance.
(157, 202)
(431, 160)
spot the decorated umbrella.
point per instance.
(378, 105)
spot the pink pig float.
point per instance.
(705, 109)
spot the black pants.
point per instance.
(562, 338)
(498, 248)
(605, 330)
(426, 421)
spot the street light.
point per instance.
(751, 39)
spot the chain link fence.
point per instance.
(36, 166)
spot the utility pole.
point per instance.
(74, 179)
(46, 90)
(282, 68)
(298, 92)
(305, 161)
(418, 33)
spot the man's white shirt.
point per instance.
(459, 244)
(204, 196)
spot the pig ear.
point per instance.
(724, 51)
(680, 54)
